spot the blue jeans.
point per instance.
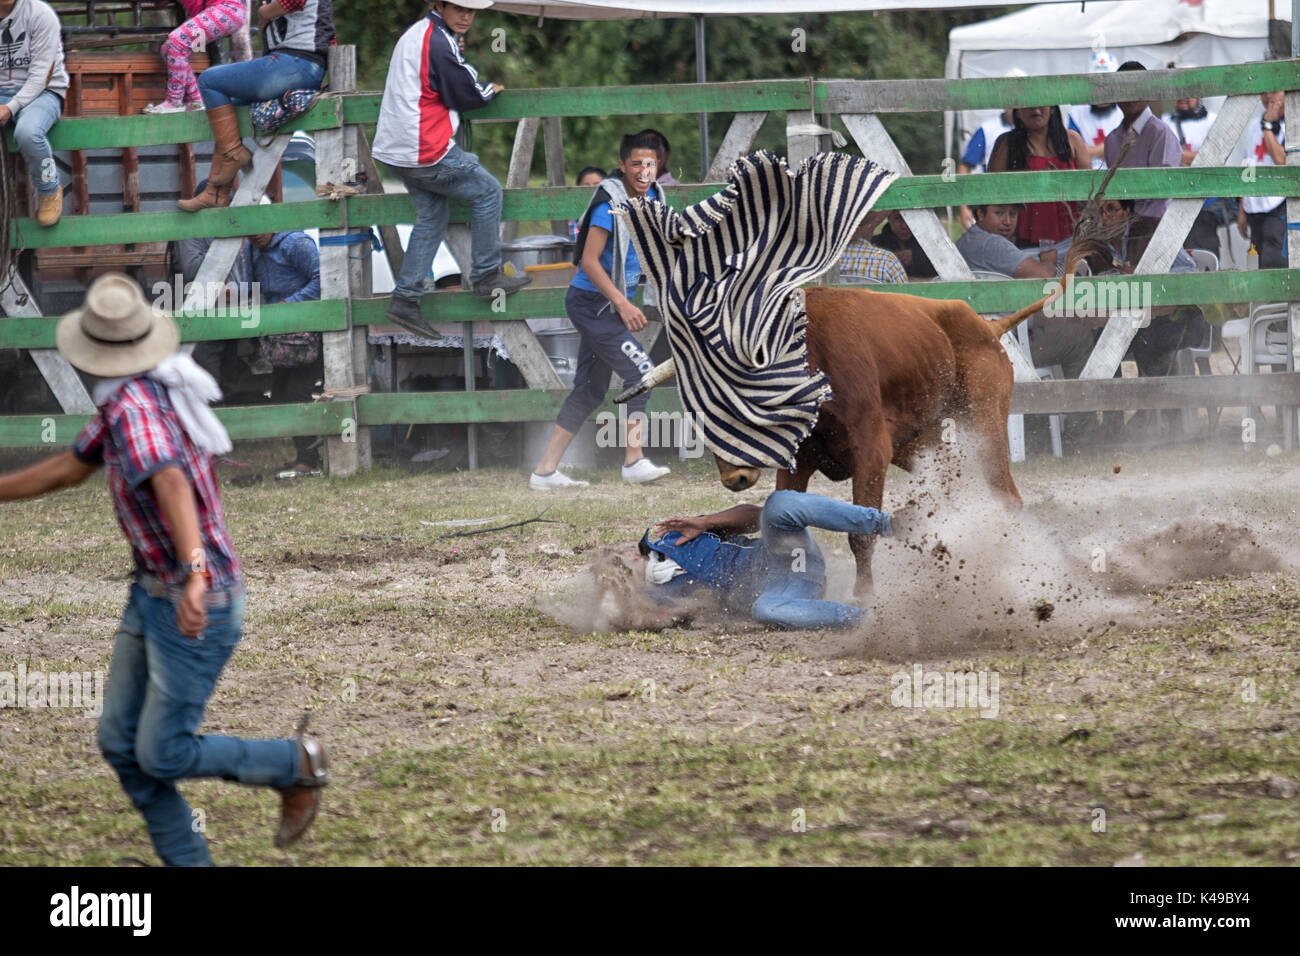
(30, 131)
(158, 687)
(796, 571)
(266, 78)
(457, 175)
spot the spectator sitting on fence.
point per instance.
(1054, 339)
(591, 177)
(599, 305)
(1191, 122)
(1263, 218)
(1039, 142)
(897, 238)
(429, 84)
(207, 20)
(863, 259)
(1154, 145)
(31, 94)
(778, 579)
(666, 177)
(297, 36)
(286, 268)
(1094, 123)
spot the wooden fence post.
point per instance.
(345, 353)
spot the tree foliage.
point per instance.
(568, 53)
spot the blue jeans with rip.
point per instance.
(158, 686)
(265, 78)
(31, 132)
(796, 571)
(457, 175)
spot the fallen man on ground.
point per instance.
(779, 579)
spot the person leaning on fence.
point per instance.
(429, 84)
(1263, 218)
(286, 268)
(155, 435)
(296, 36)
(1154, 145)
(33, 82)
(599, 305)
(1039, 141)
(206, 20)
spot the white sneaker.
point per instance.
(555, 479)
(164, 107)
(643, 470)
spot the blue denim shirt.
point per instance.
(733, 566)
(288, 269)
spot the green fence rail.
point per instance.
(558, 203)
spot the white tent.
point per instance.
(1049, 39)
(655, 9)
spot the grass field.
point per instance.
(1152, 722)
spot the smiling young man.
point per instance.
(429, 84)
(33, 82)
(599, 304)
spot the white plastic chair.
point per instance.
(1266, 346)
(1016, 423)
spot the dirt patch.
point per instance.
(1193, 550)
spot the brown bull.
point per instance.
(899, 365)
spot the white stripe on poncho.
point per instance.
(728, 272)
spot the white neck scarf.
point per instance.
(191, 390)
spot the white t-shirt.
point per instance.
(1094, 128)
(1258, 154)
(1194, 130)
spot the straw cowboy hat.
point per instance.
(116, 332)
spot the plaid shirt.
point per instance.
(136, 434)
(862, 260)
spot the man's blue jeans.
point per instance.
(265, 78)
(457, 175)
(31, 130)
(796, 571)
(158, 687)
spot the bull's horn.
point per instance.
(656, 376)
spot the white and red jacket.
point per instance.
(428, 84)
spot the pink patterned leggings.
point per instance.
(220, 19)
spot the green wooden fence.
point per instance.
(811, 97)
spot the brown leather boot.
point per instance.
(229, 154)
(212, 197)
(300, 801)
(49, 208)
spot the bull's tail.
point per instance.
(1008, 322)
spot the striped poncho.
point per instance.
(728, 272)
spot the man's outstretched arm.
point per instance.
(741, 519)
(61, 471)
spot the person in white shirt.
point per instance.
(1095, 123)
(1191, 121)
(1266, 215)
